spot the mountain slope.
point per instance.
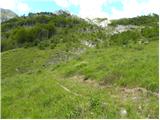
(81, 70)
(7, 14)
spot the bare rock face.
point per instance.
(123, 112)
(123, 28)
(102, 22)
(7, 14)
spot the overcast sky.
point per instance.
(111, 9)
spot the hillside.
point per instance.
(7, 14)
(57, 65)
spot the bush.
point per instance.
(94, 102)
(43, 45)
(52, 46)
(7, 45)
(139, 20)
(21, 35)
(125, 38)
(150, 32)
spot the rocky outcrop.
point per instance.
(7, 14)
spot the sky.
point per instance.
(112, 9)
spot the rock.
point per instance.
(104, 105)
(123, 112)
(91, 113)
(146, 42)
(135, 98)
(88, 43)
(17, 69)
(140, 107)
(7, 14)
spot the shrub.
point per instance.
(139, 20)
(125, 38)
(43, 45)
(7, 44)
(150, 32)
(94, 102)
(21, 35)
(81, 64)
(52, 46)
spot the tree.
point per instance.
(21, 35)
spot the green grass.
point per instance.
(23, 60)
(39, 96)
(32, 87)
(121, 66)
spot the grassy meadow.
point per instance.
(95, 87)
(61, 66)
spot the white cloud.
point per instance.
(62, 3)
(93, 8)
(152, 6)
(66, 3)
(132, 8)
(88, 8)
(17, 6)
(23, 7)
(8, 4)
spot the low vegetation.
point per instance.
(69, 68)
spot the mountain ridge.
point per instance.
(7, 14)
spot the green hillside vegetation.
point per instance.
(146, 20)
(43, 29)
(56, 65)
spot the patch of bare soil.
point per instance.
(138, 91)
(135, 93)
(83, 79)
